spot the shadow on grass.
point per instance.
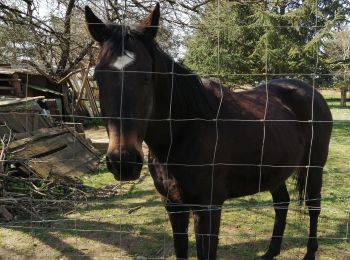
(110, 204)
(142, 240)
(82, 238)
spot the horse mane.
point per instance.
(190, 98)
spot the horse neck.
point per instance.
(180, 89)
(177, 95)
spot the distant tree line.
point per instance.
(239, 42)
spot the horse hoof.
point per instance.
(310, 256)
(269, 255)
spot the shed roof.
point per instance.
(12, 70)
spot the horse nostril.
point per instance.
(125, 165)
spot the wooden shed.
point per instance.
(78, 95)
(22, 82)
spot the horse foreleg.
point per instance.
(313, 202)
(206, 225)
(281, 201)
(179, 218)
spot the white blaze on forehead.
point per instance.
(124, 60)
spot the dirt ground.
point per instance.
(97, 133)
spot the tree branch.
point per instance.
(23, 16)
(67, 39)
(42, 72)
(79, 58)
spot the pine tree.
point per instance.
(245, 43)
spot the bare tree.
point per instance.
(46, 43)
(337, 49)
(55, 42)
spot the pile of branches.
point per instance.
(26, 194)
(30, 196)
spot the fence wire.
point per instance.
(133, 220)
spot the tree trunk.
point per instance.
(343, 92)
(65, 44)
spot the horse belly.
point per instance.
(265, 163)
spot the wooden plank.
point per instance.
(66, 103)
(85, 143)
(16, 101)
(85, 82)
(42, 169)
(92, 100)
(85, 90)
(41, 133)
(6, 88)
(55, 151)
(100, 146)
(76, 109)
(43, 146)
(27, 122)
(19, 136)
(5, 213)
(51, 151)
(16, 83)
(8, 79)
(74, 157)
(79, 127)
(73, 160)
(21, 123)
(14, 122)
(36, 122)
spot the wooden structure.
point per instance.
(85, 93)
(77, 94)
(22, 82)
(37, 145)
(40, 160)
(54, 152)
(33, 134)
(23, 116)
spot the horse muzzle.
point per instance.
(125, 165)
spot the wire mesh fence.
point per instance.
(133, 223)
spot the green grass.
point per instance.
(135, 224)
(333, 100)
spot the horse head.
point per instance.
(124, 76)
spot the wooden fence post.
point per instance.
(343, 92)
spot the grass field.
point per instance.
(135, 224)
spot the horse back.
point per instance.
(305, 101)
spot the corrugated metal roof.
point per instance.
(44, 89)
(9, 101)
(11, 71)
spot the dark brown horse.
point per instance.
(207, 144)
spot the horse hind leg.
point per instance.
(281, 201)
(313, 182)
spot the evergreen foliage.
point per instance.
(246, 43)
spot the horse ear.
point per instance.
(98, 30)
(149, 25)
